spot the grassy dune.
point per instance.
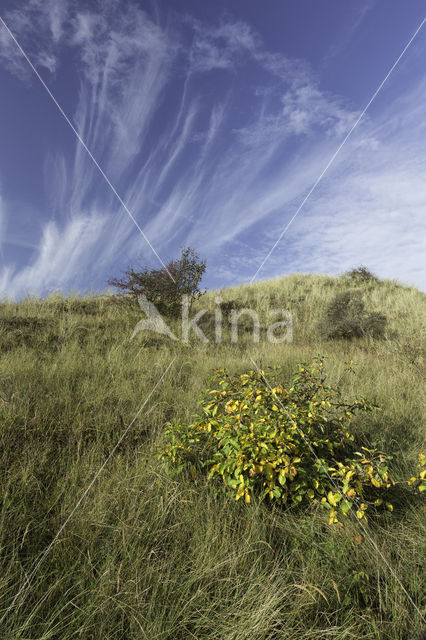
(150, 555)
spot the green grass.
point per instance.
(149, 554)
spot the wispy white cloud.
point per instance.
(126, 64)
(10, 57)
(223, 46)
(46, 19)
(356, 16)
(368, 210)
(61, 256)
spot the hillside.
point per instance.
(148, 554)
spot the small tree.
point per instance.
(165, 287)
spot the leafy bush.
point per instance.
(346, 317)
(165, 287)
(291, 445)
(361, 274)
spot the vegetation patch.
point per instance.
(18, 331)
(290, 445)
(346, 317)
(361, 275)
(164, 287)
(78, 396)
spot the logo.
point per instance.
(240, 321)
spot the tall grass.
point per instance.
(149, 554)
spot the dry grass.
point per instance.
(151, 555)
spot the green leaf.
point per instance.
(345, 506)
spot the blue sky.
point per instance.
(212, 120)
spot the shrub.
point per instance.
(361, 274)
(165, 287)
(292, 446)
(227, 306)
(346, 317)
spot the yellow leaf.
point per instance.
(240, 492)
(333, 498)
(332, 517)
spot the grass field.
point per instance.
(148, 554)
